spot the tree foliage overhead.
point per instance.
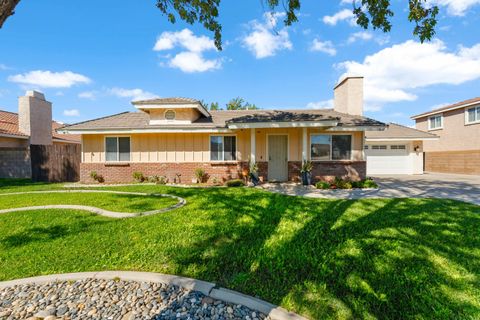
(369, 13)
(240, 104)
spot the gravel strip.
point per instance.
(114, 299)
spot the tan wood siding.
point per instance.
(463, 162)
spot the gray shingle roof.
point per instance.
(396, 131)
(174, 100)
(220, 119)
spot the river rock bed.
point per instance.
(114, 300)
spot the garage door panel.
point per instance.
(388, 161)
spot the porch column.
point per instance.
(304, 144)
(252, 145)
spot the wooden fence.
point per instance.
(56, 163)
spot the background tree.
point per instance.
(214, 106)
(374, 13)
(240, 104)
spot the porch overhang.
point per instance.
(145, 130)
(283, 124)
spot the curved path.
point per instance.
(111, 214)
(208, 289)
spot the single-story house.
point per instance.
(396, 150)
(32, 125)
(172, 137)
(458, 127)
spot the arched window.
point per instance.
(169, 115)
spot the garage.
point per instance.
(395, 150)
(388, 159)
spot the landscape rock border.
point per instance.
(207, 288)
(111, 214)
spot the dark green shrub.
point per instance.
(97, 177)
(369, 183)
(322, 185)
(235, 183)
(138, 176)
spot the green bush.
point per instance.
(235, 183)
(369, 183)
(322, 185)
(138, 176)
(201, 175)
(97, 177)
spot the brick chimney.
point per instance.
(35, 117)
(348, 95)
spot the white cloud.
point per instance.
(345, 14)
(191, 59)
(455, 7)
(134, 94)
(360, 35)
(91, 95)
(193, 62)
(325, 104)
(49, 79)
(323, 46)
(393, 73)
(71, 113)
(263, 40)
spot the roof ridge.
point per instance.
(401, 125)
(458, 104)
(100, 118)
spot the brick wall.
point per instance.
(15, 163)
(328, 170)
(122, 173)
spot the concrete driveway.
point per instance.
(429, 185)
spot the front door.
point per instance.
(278, 158)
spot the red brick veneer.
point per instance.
(123, 173)
(328, 170)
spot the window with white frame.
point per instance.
(435, 122)
(330, 147)
(117, 149)
(473, 115)
(223, 148)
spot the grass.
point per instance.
(107, 201)
(325, 259)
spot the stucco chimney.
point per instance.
(348, 95)
(35, 117)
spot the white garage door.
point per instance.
(388, 159)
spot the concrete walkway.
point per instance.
(442, 186)
(111, 214)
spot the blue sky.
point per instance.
(91, 58)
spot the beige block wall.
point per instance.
(455, 135)
(188, 147)
(13, 142)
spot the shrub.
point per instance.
(138, 176)
(322, 185)
(216, 182)
(97, 177)
(369, 183)
(201, 175)
(235, 183)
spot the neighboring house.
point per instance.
(33, 125)
(173, 136)
(396, 150)
(458, 148)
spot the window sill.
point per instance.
(222, 162)
(472, 123)
(435, 129)
(117, 164)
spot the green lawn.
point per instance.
(340, 259)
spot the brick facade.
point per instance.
(328, 170)
(123, 173)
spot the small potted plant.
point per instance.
(306, 172)
(254, 173)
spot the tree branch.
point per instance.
(7, 8)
